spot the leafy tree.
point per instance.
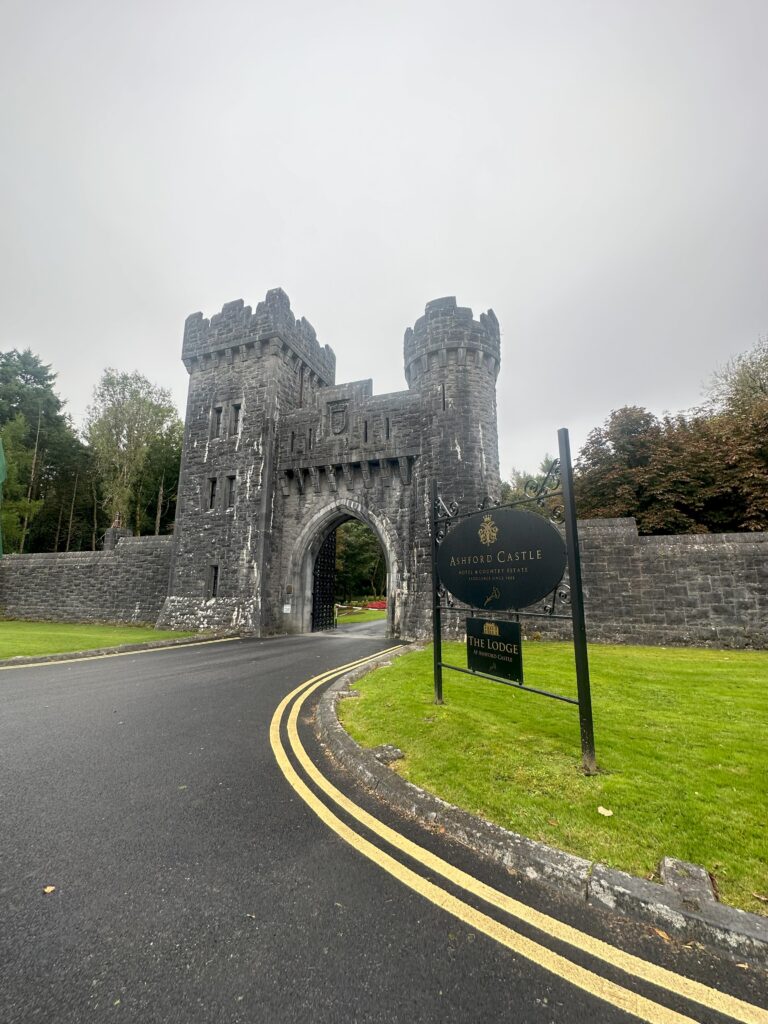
(18, 508)
(126, 422)
(514, 489)
(26, 388)
(41, 445)
(743, 382)
(360, 564)
(155, 494)
(685, 474)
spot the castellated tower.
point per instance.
(277, 455)
(453, 361)
(246, 368)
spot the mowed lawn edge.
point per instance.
(30, 639)
(680, 739)
(365, 615)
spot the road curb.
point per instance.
(683, 905)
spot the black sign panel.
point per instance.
(506, 558)
(495, 648)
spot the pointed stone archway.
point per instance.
(301, 575)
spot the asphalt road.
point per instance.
(193, 884)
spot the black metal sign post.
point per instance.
(506, 559)
(577, 606)
(437, 625)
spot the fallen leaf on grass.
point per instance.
(763, 899)
(662, 934)
(744, 967)
(552, 821)
(48, 889)
(605, 812)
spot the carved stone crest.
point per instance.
(339, 419)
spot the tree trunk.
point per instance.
(30, 489)
(159, 506)
(72, 511)
(95, 516)
(58, 528)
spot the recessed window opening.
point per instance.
(301, 385)
(442, 388)
(213, 581)
(293, 439)
(310, 438)
(216, 424)
(365, 430)
(234, 419)
(231, 488)
(212, 485)
(387, 427)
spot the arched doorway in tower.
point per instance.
(349, 574)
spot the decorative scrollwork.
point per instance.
(560, 596)
(487, 502)
(557, 514)
(443, 511)
(538, 488)
(446, 596)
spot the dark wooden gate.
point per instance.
(323, 589)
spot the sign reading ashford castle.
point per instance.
(506, 559)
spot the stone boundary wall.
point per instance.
(690, 589)
(127, 584)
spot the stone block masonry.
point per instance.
(127, 584)
(693, 589)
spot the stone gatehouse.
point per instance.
(277, 455)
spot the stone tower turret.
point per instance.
(453, 361)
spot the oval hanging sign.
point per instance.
(505, 558)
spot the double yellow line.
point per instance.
(541, 955)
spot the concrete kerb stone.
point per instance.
(100, 652)
(683, 905)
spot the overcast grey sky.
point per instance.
(594, 170)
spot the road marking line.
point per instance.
(122, 654)
(659, 976)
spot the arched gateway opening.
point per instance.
(317, 582)
(350, 571)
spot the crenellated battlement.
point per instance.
(238, 328)
(448, 332)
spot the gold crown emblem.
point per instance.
(488, 531)
(490, 629)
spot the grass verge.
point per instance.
(366, 615)
(681, 744)
(41, 638)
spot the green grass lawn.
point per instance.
(38, 638)
(682, 746)
(366, 615)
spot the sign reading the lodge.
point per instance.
(508, 558)
(495, 648)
